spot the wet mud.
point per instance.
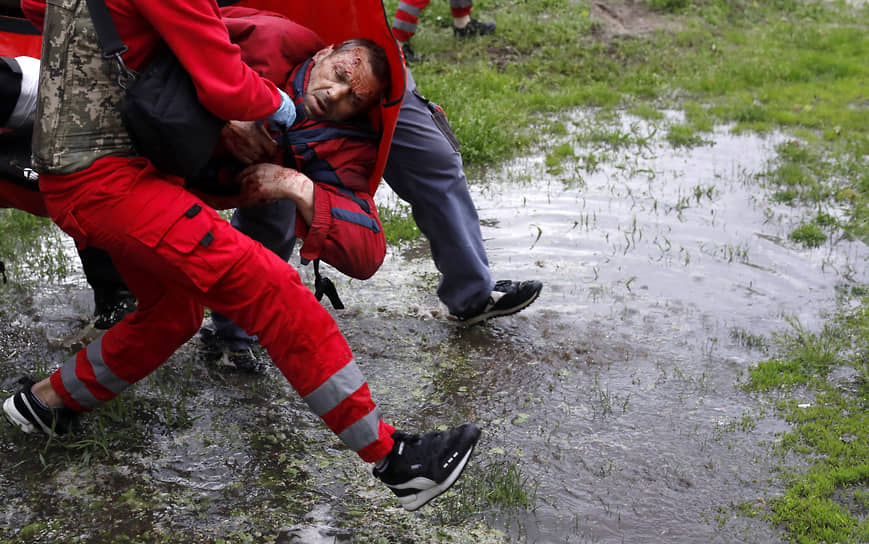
(610, 407)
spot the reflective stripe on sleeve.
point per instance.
(410, 10)
(404, 25)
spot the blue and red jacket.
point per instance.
(346, 231)
(339, 158)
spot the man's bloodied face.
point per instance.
(341, 85)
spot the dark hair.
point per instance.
(376, 57)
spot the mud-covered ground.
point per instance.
(611, 409)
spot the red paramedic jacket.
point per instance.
(231, 93)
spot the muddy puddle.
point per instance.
(610, 406)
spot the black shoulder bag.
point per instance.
(161, 111)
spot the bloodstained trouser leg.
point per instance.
(177, 255)
(425, 169)
(272, 226)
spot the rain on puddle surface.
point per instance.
(666, 271)
(612, 400)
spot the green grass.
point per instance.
(555, 158)
(809, 234)
(684, 136)
(398, 224)
(827, 501)
(763, 66)
(21, 234)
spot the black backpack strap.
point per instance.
(324, 286)
(110, 40)
(107, 32)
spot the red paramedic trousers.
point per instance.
(177, 256)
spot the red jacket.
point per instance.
(339, 157)
(346, 231)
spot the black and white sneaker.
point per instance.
(507, 298)
(30, 415)
(419, 468)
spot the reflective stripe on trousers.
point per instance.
(91, 355)
(337, 389)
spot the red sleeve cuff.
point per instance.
(316, 234)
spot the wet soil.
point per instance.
(626, 18)
(610, 407)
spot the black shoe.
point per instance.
(419, 468)
(212, 349)
(30, 415)
(246, 361)
(474, 28)
(211, 346)
(112, 307)
(410, 57)
(508, 297)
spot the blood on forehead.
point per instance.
(360, 76)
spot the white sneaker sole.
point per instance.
(16, 418)
(414, 502)
(499, 313)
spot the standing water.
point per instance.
(666, 271)
(610, 407)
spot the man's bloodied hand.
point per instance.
(248, 141)
(264, 183)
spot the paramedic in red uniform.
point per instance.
(176, 254)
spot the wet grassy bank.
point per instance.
(797, 66)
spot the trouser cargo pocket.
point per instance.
(190, 243)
